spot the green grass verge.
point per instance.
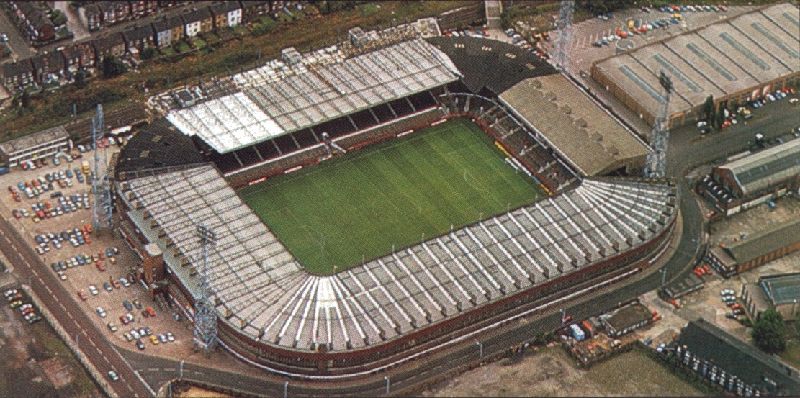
(360, 205)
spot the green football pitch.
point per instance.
(356, 207)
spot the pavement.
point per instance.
(67, 312)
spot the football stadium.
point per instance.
(384, 195)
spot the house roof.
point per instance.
(220, 7)
(195, 15)
(107, 42)
(766, 168)
(766, 241)
(71, 52)
(91, 9)
(167, 23)
(54, 59)
(736, 357)
(138, 33)
(17, 68)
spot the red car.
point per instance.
(100, 266)
(82, 295)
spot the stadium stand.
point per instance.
(581, 132)
(158, 146)
(271, 119)
(264, 295)
(490, 67)
(534, 155)
(281, 98)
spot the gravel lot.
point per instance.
(551, 372)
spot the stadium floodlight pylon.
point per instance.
(102, 219)
(205, 316)
(656, 165)
(564, 26)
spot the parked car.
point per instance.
(100, 312)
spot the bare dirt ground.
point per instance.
(35, 363)
(197, 392)
(551, 372)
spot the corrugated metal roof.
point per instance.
(768, 167)
(766, 241)
(743, 360)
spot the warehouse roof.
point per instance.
(586, 135)
(766, 168)
(33, 140)
(782, 288)
(723, 58)
(766, 241)
(736, 357)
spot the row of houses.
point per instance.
(32, 20)
(162, 33)
(107, 13)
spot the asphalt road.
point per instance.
(21, 48)
(72, 318)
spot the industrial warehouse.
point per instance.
(734, 61)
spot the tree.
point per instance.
(604, 6)
(708, 109)
(769, 332)
(112, 67)
(80, 78)
(148, 53)
(57, 17)
(25, 99)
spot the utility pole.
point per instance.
(205, 315)
(564, 26)
(656, 166)
(480, 349)
(388, 384)
(663, 276)
(101, 189)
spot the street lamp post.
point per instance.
(480, 349)
(388, 384)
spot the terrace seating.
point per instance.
(526, 147)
